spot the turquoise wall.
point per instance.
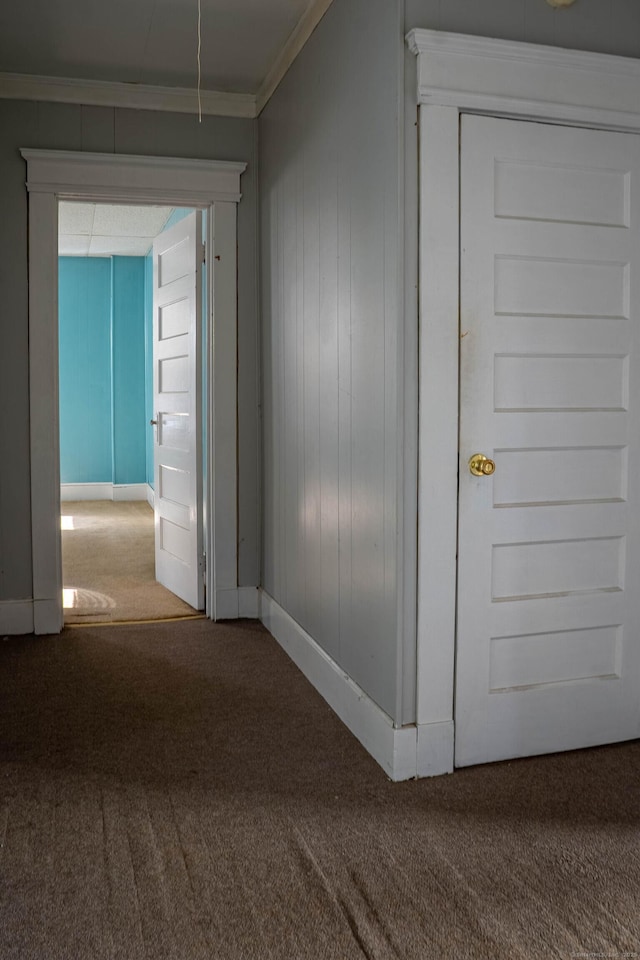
(128, 370)
(102, 369)
(85, 369)
(148, 360)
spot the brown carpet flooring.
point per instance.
(178, 791)
(108, 564)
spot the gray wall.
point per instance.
(330, 163)
(604, 26)
(70, 127)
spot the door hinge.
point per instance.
(203, 253)
(203, 566)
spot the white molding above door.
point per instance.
(459, 74)
(56, 175)
(114, 177)
(508, 78)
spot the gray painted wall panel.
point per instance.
(605, 27)
(329, 225)
(71, 127)
(18, 122)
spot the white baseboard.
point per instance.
(395, 749)
(103, 491)
(226, 604)
(151, 497)
(130, 491)
(435, 748)
(86, 491)
(248, 602)
(16, 617)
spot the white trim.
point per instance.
(438, 391)
(130, 96)
(435, 749)
(151, 497)
(296, 41)
(85, 491)
(55, 175)
(470, 74)
(16, 617)
(226, 604)
(237, 602)
(130, 491)
(509, 78)
(249, 602)
(103, 491)
(222, 385)
(393, 748)
(119, 177)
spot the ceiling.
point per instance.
(102, 230)
(148, 41)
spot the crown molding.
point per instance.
(130, 96)
(297, 39)
(514, 79)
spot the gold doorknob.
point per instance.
(481, 466)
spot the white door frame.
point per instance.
(212, 185)
(462, 74)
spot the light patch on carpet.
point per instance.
(108, 552)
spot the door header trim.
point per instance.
(506, 78)
(105, 176)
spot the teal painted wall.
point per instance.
(128, 371)
(148, 361)
(85, 369)
(102, 369)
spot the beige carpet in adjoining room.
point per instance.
(109, 565)
(179, 791)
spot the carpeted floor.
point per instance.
(178, 791)
(108, 564)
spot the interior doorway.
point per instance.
(212, 185)
(106, 302)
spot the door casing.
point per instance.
(210, 185)
(462, 74)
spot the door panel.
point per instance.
(177, 332)
(548, 652)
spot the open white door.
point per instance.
(177, 392)
(548, 647)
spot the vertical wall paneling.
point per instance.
(44, 444)
(15, 523)
(330, 223)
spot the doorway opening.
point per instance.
(108, 346)
(54, 175)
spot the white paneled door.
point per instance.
(548, 648)
(177, 332)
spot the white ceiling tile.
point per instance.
(72, 245)
(75, 218)
(120, 246)
(129, 221)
